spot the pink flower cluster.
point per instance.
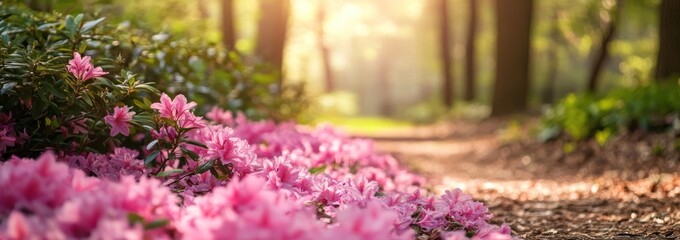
(119, 121)
(7, 134)
(45, 199)
(82, 69)
(284, 181)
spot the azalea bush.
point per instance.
(37, 44)
(651, 107)
(222, 177)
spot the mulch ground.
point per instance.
(627, 189)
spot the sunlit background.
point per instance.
(382, 57)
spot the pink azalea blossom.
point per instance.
(6, 140)
(120, 121)
(352, 192)
(178, 109)
(82, 69)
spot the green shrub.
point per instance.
(37, 92)
(650, 107)
(209, 75)
(56, 109)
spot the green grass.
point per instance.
(363, 125)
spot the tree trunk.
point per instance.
(668, 60)
(551, 78)
(228, 35)
(444, 41)
(470, 52)
(323, 49)
(40, 5)
(382, 75)
(511, 85)
(271, 35)
(603, 52)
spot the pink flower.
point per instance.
(165, 133)
(371, 222)
(179, 110)
(6, 140)
(82, 69)
(120, 121)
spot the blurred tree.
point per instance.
(668, 59)
(470, 51)
(613, 16)
(271, 36)
(444, 41)
(548, 94)
(384, 61)
(513, 21)
(228, 35)
(323, 49)
(40, 5)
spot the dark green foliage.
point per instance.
(47, 100)
(206, 74)
(651, 107)
(41, 99)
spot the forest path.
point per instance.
(628, 189)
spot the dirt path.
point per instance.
(628, 189)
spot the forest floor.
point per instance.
(627, 189)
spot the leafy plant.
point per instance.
(650, 107)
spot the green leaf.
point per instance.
(190, 153)
(195, 143)
(46, 26)
(214, 173)
(70, 26)
(90, 24)
(151, 144)
(158, 223)
(7, 86)
(139, 104)
(205, 166)
(134, 218)
(170, 172)
(147, 88)
(151, 157)
(317, 170)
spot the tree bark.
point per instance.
(444, 41)
(470, 52)
(40, 5)
(551, 77)
(228, 32)
(603, 52)
(323, 49)
(511, 85)
(272, 29)
(382, 75)
(668, 59)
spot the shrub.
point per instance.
(651, 107)
(201, 179)
(205, 73)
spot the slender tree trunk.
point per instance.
(470, 52)
(228, 33)
(272, 29)
(40, 5)
(511, 86)
(444, 41)
(325, 54)
(383, 62)
(668, 60)
(551, 77)
(603, 51)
